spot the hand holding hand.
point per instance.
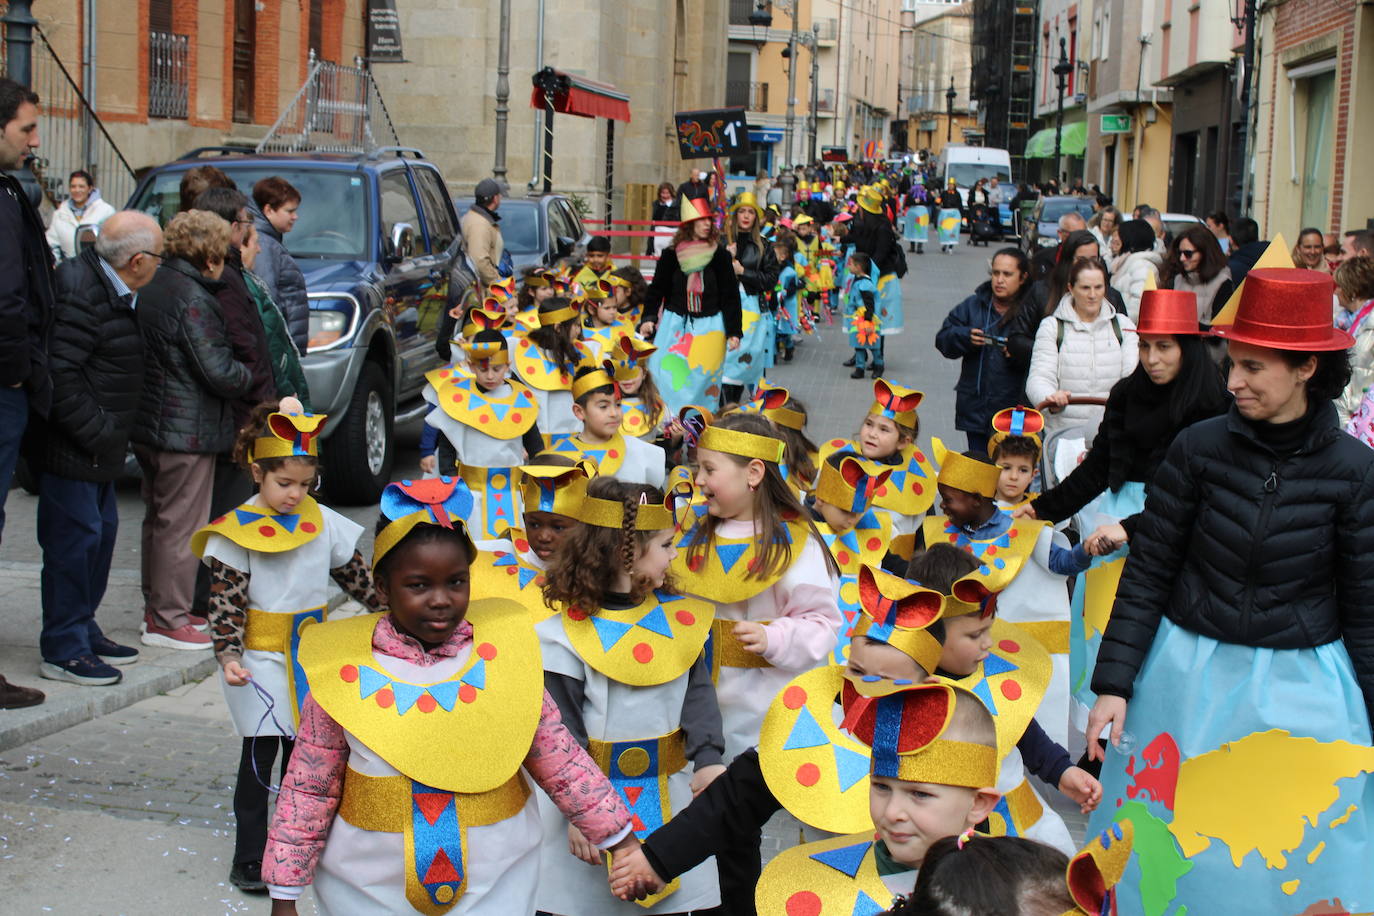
(1082, 787)
(632, 877)
(752, 636)
(646, 330)
(582, 848)
(704, 776)
(1108, 710)
(1105, 539)
(1025, 510)
(235, 675)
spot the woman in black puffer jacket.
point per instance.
(1242, 629)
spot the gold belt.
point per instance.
(729, 652)
(1052, 634)
(383, 803)
(267, 631)
(476, 478)
(1024, 807)
(632, 758)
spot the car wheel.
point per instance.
(359, 455)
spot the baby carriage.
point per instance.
(982, 225)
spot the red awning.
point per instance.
(576, 95)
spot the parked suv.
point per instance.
(378, 241)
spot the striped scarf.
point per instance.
(692, 257)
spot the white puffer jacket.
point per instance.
(1088, 363)
(1129, 278)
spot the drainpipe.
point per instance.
(535, 170)
(19, 23)
(88, 82)
(498, 169)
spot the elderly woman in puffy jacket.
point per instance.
(1081, 350)
(1355, 290)
(1136, 264)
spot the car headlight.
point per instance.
(332, 320)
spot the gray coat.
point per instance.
(283, 278)
(190, 376)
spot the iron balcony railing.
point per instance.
(753, 96)
(339, 109)
(169, 74)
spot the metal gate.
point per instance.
(337, 110)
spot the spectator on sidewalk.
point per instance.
(83, 207)
(481, 227)
(276, 204)
(1246, 248)
(185, 417)
(96, 364)
(25, 308)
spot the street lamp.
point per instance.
(1061, 79)
(949, 111)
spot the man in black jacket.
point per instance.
(96, 364)
(25, 307)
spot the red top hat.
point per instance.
(1168, 311)
(1285, 308)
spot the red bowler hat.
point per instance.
(1168, 311)
(1285, 308)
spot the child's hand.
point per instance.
(429, 464)
(235, 675)
(1080, 785)
(632, 877)
(581, 848)
(752, 636)
(705, 776)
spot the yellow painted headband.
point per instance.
(585, 384)
(557, 316)
(745, 445)
(610, 513)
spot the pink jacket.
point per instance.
(313, 784)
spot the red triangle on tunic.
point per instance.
(632, 794)
(636, 824)
(441, 870)
(432, 804)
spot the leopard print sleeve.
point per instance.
(355, 578)
(228, 609)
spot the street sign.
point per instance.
(711, 133)
(834, 154)
(1116, 124)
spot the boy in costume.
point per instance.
(596, 404)
(1015, 448)
(597, 266)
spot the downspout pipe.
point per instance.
(538, 135)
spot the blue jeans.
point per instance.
(77, 523)
(863, 356)
(14, 416)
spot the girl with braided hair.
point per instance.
(623, 660)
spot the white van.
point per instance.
(966, 164)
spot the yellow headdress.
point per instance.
(540, 278)
(490, 351)
(599, 290)
(745, 445)
(1016, 421)
(746, 199)
(290, 435)
(898, 611)
(635, 353)
(896, 402)
(600, 376)
(769, 400)
(406, 504)
(852, 485)
(610, 513)
(976, 593)
(905, 726)
(802, 220)
(964, 473)
(556, 490)
(1093, 874)
(557, 316)
(499, 293)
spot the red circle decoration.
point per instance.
(875, 543)
(803, 903)
(808, 774)
(612, 453)
(484, 418)
(512, 571)
(1014, 533)
(515, 418)
(1011, 690)
(754, 564)
(918, 489)
(385, 698)
(837, 442)
(267, 531)
(643, 653)
(920, 456)
(842, 558)
(991, 550)
(954, 538)
(426, 703)
(794, 697)
(458, 397)
(633, 420)
(1010, 646)
(881, 491)
(695, 563)
(576, 613)
(308, 527)
(486, 651)
(349, 674)
(467, 693)
(522, 545)
(686, 618)
(220, 520)
(524, 344)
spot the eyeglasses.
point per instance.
(1187, 252)
(153, 254)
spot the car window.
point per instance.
(1056, 207)
(574, 222)
(559, 225)
(438, 217)
(333, 214)
(519, 223)
(398, 205)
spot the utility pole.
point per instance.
(815, 88)
(498, 168)
(791, 86)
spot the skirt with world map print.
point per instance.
(1245, 774)
(689, 360)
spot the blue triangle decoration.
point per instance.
(526, 575)
(656, 622)
(244, 517)
(370, 681)
(665, 597)
(500, 410)
(851, 540)
(867, 906)
(477, 677)
(897, 479)
(445, 694)
(994, 665)
(609, 632)
(984, 693)
(845, 860)
(288, 522)
(504, 559)
(406, 695)
(730, 553)
(806, 732)
(522, 400)
(784, 535)
(851, 765)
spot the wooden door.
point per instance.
(245, 23)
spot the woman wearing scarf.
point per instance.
(692, 312)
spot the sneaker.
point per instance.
(87, 671)
(197, 621)
(112, 653)
(857, 373)
(247, 877)
(788, 354)
(12, 696)
(184, 637)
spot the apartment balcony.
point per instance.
(740, 10)
(825, 102)
(753, 96)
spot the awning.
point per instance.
(1073, 143)
(577, 95)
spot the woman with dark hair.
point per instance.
(1046, 292)
(1137, 264)
(1195, 264)
(1239, 655)
(1310, 250)
(1175, 385)
(756, 271)
(978, 331)
(665, 211)
(692, 312)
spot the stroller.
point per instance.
(982, 226)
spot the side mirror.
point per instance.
(401, 245)
(565, 246)
(85, 237)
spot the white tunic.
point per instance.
(477, 449)
(281, 583)
(1050, 828)
(644, 463)
(1037, 595)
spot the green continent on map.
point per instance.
(1161, 863)
(677, 369)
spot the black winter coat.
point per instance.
(874, 236)
(760, 267)
(989, 380)
(1242, 546)
(95, 356)
(719, 295)
(26, 296)
(191, 376)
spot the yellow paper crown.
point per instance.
(770, 401)
(896, 402)
(499, 292)
(976, 593)
(1093, 874)
(290, 435)
(610, 513)
(852, 485)
(540, 278)
(548, 319)
(745, 445)
(897, 612)
(485, 319)
(603, 376)
(556, 490)
(904, 727)
(1016, 421)
(601, 289)
(964, 473)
